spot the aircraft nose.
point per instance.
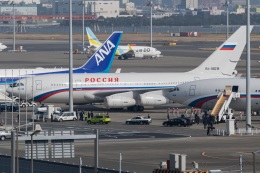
(13, 91)
(9, 90)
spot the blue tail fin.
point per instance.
(102, 59)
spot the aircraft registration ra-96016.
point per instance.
(217, 94)
(131, 90)
(2, 47)
(100, 61)
(124, 52)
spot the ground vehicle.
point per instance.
(9, 106)
(189, 120)
(100, 118)
(5, 135)
(175, 122)
(46, 112)
(139, 120)
(65, 116)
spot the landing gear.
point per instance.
(136, 108)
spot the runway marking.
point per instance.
(214, 157)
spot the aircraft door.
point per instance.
(38, 84)
(78, 84)
(235, 89)
(192, 90)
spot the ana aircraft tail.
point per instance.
(102, 59)
(93, 40)
(224, 60)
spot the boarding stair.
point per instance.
(224, 100)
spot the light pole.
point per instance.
(70, 59)
(38, 129)
(254, 163)
(12, 3)
(16, 153)
(248, 73)
(226, 5)
(83, 25)
(150, 4)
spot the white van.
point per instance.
(65, 116)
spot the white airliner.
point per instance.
(100, 61)
(2, 47)
(124, 52)
(131, 90)
(205, 93)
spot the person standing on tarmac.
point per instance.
(208, 130)
(18, 118)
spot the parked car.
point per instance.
(139, 120)
(100, 118)
(5, 134)
(189, 120)
(175, 122)
(65, 116)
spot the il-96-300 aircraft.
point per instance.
(205, 93)
(217, 95)
(131, 90)
(100, 61)
(124, 52)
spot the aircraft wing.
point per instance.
(103, 94)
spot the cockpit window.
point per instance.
(174, 89)
(16, 85)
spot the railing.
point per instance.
(239, 131)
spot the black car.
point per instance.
(189, 120)
(176, 122)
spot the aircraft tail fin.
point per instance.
(102, 59)
(223, 61)
(93, 40)
(130, 47)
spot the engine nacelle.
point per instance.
(118, 102)
(139, 55)
(152, 99)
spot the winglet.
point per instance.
(102, 59)
(93, 40)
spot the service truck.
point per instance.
(45, 112)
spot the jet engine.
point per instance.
(152, 99)
(118, 102)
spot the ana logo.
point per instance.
(105, 50)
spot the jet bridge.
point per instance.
(224, 100)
